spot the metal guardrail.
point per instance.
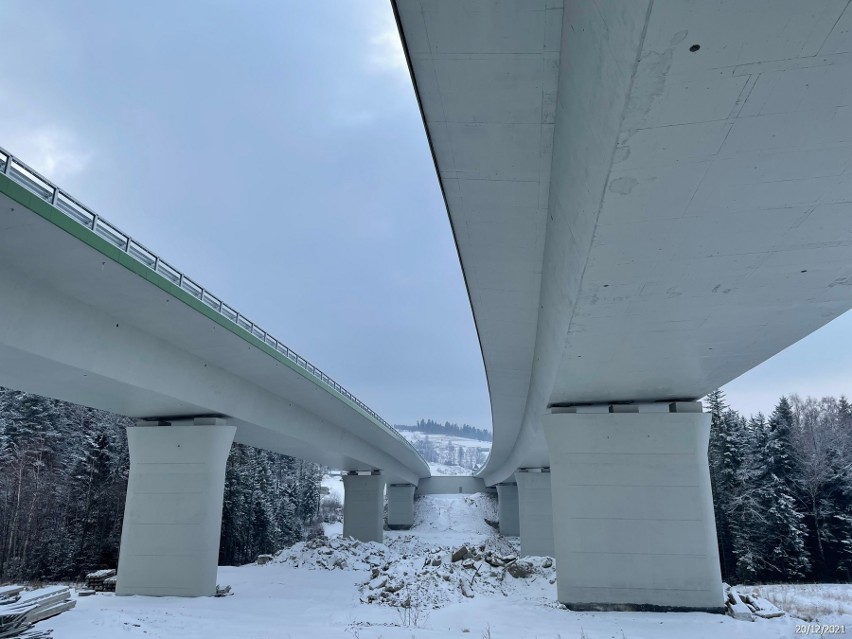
(72, 208)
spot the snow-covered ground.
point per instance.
(334, 483)
(340, 588)
(443, 470)
(446, 451)
(443, 441)
(810, 601)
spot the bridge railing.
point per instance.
(45, 189)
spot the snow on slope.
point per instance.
(295, 597)
(417, 570)
(444, 470)
(334, 484)
(442, 452)
(443, 441)
(454, 519)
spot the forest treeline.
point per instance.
(63, 478)
(430, 427)
(782, 490)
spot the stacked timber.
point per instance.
(109, 583)
(10, 594)
(101, 580)
(20, 610)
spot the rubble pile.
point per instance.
(408, 573)
(747, 606)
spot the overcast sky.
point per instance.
(274, 152)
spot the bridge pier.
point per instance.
(401, 506)
(535, 510)
(632, 510)
(173, 509)
(507, 509)
(363, 506)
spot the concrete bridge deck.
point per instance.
(90, 316)
(648, 198)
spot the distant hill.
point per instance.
(429, 427)
(450, 449)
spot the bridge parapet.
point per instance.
(163, 274)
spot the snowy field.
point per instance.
(443, 441)
(446, 447)
(444, 470)
(334, 484)
(340, 588)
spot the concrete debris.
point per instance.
(409, 572)
(737, 608)
(761, 607)
(521, 569)
(460, 553)
(493, 523)
(379, 582)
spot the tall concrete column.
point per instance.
(401, 506)
(173, 510)
(633, 511)
(535, 509)
(507, 509)
(363, 506)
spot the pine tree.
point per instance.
(722, 475)
(747, 504)
(770, 533)
(785, 533)
(779, 448)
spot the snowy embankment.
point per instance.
(453, 556)
(334, 588)
(445, 470)
(449, 454)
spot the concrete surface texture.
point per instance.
(633, 513)
(507, 509)
(363, 507)
(83, 322)
(173, 512)
(400, 506)
(648, 198)
(448, 484)
(535, 512)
